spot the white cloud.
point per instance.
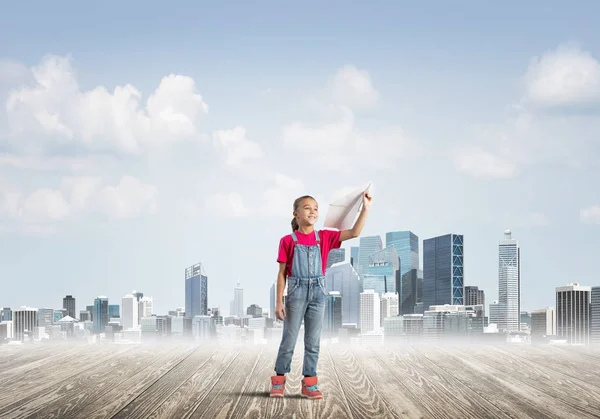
(77, 196)
(280, 197)
(481, 163)
(339, 145)
(235, 146)
(353, 87)
(52, 163)
(590, 215)
(128, 199)
(55, 110)
(567, 76)
(226, 205)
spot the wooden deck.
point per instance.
(190, 381)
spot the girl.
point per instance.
(302, 261)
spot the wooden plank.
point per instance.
(47, 380)
(573, 392)
(387, 386)
(567, 364)
(34, 358)
(432, 397)
(539, 388)
(67, 399)
(292, 404)
(163, 388)
(224, 395)
(334, 403)
(190, 394)
(109, 403)
(363, 398)
(485, 385)
(25, 378)
(255, 395)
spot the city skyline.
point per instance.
(130, 154)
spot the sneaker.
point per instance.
(310, 388)
(277, 385)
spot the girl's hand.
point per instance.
(367, 198)
(280, 311)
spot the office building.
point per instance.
(543, 324)
(573, 313)
(336, 256)
(443, 270)
(509, 284)
(196, 291)
(367, 246)
(69, 305)
(595, 316)
(343, 278)
(370, 312)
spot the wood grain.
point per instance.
(188, 380)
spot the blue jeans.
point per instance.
(305, 301)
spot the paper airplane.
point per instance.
(343, 212)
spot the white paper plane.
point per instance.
(343, 212)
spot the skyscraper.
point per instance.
(196, 291)
(409, 286)
(595, 316)
(69, 305)
(370, 311)
(474, 296)
(238, 300)
(367, 246)
(100, 316)
(354, 256)
(407, 246)
(25, 321)
(509, 283)
(130, 306)
(332, 321)
(573, 313)
(383, 272)
(443, 270)
(343, 278)
(336, 256)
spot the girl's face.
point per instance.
(307, 212)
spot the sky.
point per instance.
(138, 139)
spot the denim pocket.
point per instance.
(292, 285)
(322, 286)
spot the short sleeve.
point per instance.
(282, 256)
(333, 238)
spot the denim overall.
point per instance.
(305, 301)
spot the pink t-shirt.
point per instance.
(329, 239)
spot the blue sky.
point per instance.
(468, 118)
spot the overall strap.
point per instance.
(317, 236)
(294, 237)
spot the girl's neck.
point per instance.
(306, 229)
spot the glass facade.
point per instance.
(344, 279)
(113, 310)
(409, 283)
(354, 256)
(443, 270)
(509, 285)
(196, 291)
(69, 305)
(336, 256)
(383, 271)
(333, 313)
(367, 246)
(100, 314)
